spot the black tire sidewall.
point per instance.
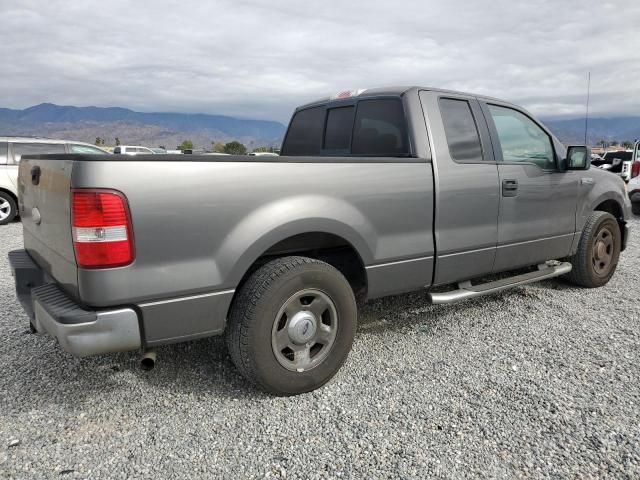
(14, 208)
(269, 373)
(614, 228)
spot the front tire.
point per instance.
(8, 208)
(598, 252)
(292, 325)
(635, 208)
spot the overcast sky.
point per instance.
(260, 59)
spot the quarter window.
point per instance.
(461, 130)
(521, 139)
(380, 129)
(20, 149)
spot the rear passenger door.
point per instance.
(538, 200)
(467, 193)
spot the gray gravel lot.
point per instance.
(543, 380)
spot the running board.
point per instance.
(466, 290)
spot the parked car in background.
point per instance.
(132, 150)
(11, 151)
(634, 181)
(263, 154)
(618, 162)
(376, 193)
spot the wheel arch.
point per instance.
(613, 207)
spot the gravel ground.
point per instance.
(543, 380)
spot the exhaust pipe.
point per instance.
(148, 360)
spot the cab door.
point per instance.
(467, 192)
(538, 200)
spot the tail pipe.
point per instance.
(148, 360)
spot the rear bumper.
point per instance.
(78, 330)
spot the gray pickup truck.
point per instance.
(377, 192)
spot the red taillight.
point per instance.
(635, 169)
(102, 233)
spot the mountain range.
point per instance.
(137, 128)
(170, 129)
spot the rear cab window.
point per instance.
(373, 127)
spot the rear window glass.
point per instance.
(86, 149)
(337, 135)
(20, 149)
(461, 130)
(3, 152)
(380, 129)
(305, 133)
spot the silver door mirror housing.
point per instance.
(578, 157)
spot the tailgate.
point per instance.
(44, 185)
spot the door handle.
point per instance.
(509, 188)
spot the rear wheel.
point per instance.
(635, 208)
(291, 325)
(598, 252)
(8, 208)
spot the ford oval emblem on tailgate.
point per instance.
(35, 215)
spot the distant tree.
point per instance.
(98, 141)
(117, 141)
(263, 149)
(217, 147)
(627, 144)
(235, 148)
(162, 147)
(602, 143)
(186, 145)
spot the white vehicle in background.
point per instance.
(617, 162)
(11, 151)
(634, 180)
(264, 154)
(132, 150)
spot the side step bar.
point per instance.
(466, 290)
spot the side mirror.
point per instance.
(577, 157)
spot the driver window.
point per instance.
(521, 139)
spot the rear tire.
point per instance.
(635, 208)
(598, 252)
(291, 325)
(8, 208)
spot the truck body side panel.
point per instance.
(199, 226)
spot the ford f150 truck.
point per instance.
(377, 192)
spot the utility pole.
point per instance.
(586, 116)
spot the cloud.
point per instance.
(260, 59)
